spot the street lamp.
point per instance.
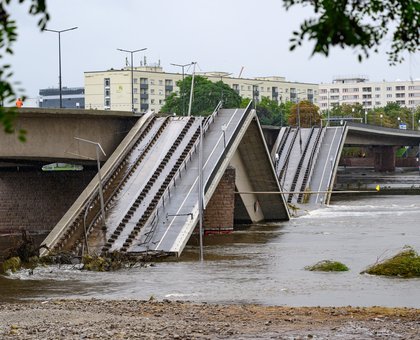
(101, 196)
(225, 74)
(132, 73)
(365, 116)
(182, 89)
(298, 116)
(59, 58)
(381, 116)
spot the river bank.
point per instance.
(130, 319)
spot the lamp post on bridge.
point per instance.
(101, 196)
(59, 58)
(132, 73)
(183, 66)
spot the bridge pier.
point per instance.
(384, 158)
(35, 200)
(219, 214)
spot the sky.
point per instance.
(220, 35)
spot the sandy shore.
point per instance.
(104, 319)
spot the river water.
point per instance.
(263, 263)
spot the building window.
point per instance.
(107, 92)
(161, 82)
(135, 90)
(399, 88)
(367, 89)
(152, 82)
(389, 95)
(152, 91)
(168, 82)
(389, 88)
(152, 101)
(400, 95)
(107, 82)
(161, 101)
(160, 93)
(135, 80)
(377, 88)
(143, 81)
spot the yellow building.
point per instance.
(113, 90)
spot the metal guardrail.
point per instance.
(183, 166)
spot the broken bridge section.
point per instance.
(151, 190)
(306, 162)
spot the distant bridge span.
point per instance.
(363, 134)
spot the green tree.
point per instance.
(206, 95)
(270, 112)
(362, 25)
(305, 114)
(8, 35)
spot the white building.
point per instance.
(358, 90)
(112, 89)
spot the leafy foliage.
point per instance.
(270, 112)
(362, 25)
(206, 96)
(382, 116)
(328, 266)
(8, 35)
(405, 264)
(305, 114)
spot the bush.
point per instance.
(13, 264)
(328, 266)
(404, 264)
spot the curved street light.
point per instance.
(132, 74)
(59, 58)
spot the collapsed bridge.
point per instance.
(151, 185)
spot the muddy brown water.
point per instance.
(263, 263)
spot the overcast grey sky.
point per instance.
(221, 35)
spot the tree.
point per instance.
(205, 97)
(362, 25)
(8, 35)
(270, 112)
(304, 114)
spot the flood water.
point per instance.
(263, 264)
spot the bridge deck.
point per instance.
(151, 192)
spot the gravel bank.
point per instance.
(129, 319)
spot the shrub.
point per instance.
(404, 264)
(328, 266)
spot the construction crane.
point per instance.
(240, 72)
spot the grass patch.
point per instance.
(405, 264)
(328, 266)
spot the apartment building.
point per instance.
(112, 89)
(71, 97)
(358, 90)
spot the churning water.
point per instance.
(263, 263)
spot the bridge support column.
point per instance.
(218, 217)
(384, 158)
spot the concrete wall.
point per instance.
(36, 200)
(218, 217)
(50, 134)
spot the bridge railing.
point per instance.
(154, 218)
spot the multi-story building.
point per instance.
(71, 98)
(112, 89)
(358, 90)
